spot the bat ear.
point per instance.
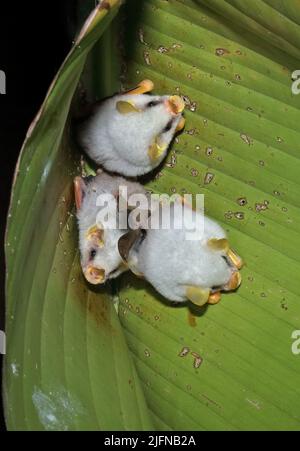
(156, 150)
(79, 190)
(95, 235)
(142, 88)
(218, 244)
(126, 242)
(126, 107)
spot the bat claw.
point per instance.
(214, 298)
(234, 282)
(235, 259)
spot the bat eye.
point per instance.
(153, 103)
(93, 254)
(168, 127)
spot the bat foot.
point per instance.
(234, 282)
(235, 259)
(214, 298)
(142, 88)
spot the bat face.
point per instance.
(99, 255)
(100, 258)
(131, 133)
(182, 269)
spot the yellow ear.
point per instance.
(223, 245)
(126, 107)
(218, 244)
(156, 150)
(197, 295)
(96, 234)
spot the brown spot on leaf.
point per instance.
(208, 178)
(191, 132)
(246, 139)
(190, 105)
(184, 352)
(262, 206)
(194, 172)
(222, 52)
(229, 214)
(198, 360)
(147, 58)
(162, 49)
(239, 215)
(242, 201)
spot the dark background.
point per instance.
(34, 39)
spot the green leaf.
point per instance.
(71, 362)
(241, 149)
(67, 364)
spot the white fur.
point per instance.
(107, 257)
(120, 142)
(171, 263)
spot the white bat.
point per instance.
(181, 269)
(100, 258)
(130, 133)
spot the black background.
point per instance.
(34, 39)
